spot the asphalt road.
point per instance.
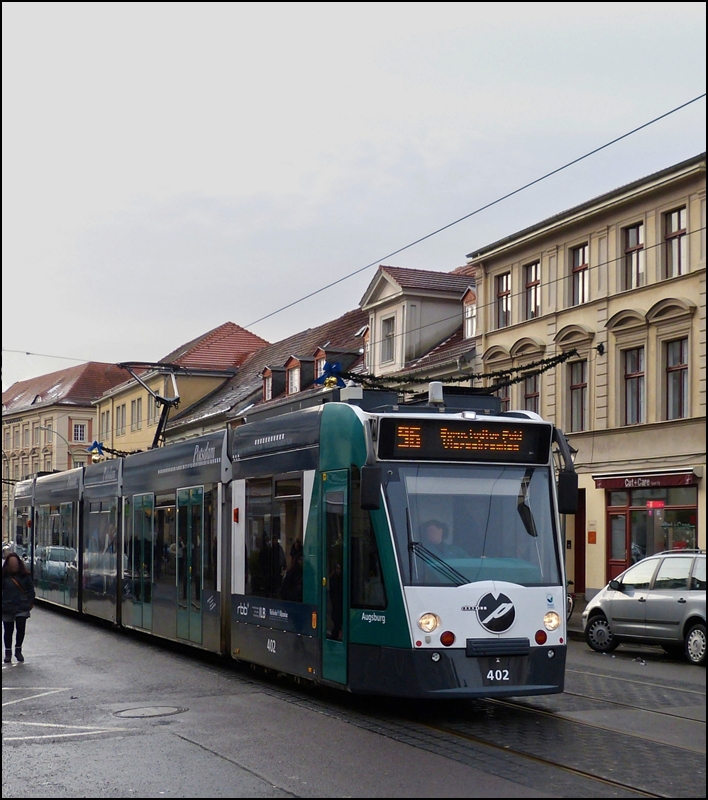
(94, 712)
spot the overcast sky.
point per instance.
(171, 167)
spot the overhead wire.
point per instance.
(521, 293)
(433, 233)
(478, 210)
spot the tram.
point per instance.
(297, 542)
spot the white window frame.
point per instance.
(388, 339)
(80, 428)
(470, 320)
(293, 380)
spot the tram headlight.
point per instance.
(429, 622)
(551, 621)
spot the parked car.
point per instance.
(659, 600)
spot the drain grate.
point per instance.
(149, 711)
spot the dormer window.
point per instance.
(268, 388)
(319, 366)
(388, 334)
(470, 314)
(293, 380)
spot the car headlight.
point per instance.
(551, 620)
(429, 622)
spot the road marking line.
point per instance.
(80, 730)
(32, 696)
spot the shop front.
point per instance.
(647, 513)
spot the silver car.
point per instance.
(659, 600)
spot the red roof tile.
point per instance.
(75, 386)
(427, 279)
(227, 346)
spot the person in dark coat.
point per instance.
(17, 601)
(292, 582)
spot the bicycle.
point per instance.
(570, 600)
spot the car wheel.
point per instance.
(696, 644)
(599, 636)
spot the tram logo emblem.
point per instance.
(242, 609)
(495, 614)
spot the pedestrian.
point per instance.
(17, 602)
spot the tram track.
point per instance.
(574, 771)
(690, 693)
(554, 746)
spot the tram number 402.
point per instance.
(270, 645)
(498, 675)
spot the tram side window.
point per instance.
(165, 558)
(274, 520)
(99, 558)
(367, 583)
(20, 528)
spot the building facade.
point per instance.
(48, 424)
(613, 290)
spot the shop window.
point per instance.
(642, 522)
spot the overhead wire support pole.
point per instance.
(165, 402)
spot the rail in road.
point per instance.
(626, 726)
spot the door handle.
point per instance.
(642, 599)
(681, 600)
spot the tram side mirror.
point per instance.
(370, 498)
(567, 492)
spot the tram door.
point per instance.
(190, 541)
(139, 546)
(335, 597)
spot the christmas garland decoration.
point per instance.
(527, 370)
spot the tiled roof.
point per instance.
(466, 269)
(227, 346)
(447, 352)
(426, 279)
(229, 399)
(75, 386)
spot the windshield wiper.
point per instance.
(437, 563)
(522, 504)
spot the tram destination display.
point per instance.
(464, 440)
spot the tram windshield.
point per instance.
(459, 523)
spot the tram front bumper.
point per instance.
(444, 673)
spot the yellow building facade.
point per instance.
(615, 290)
